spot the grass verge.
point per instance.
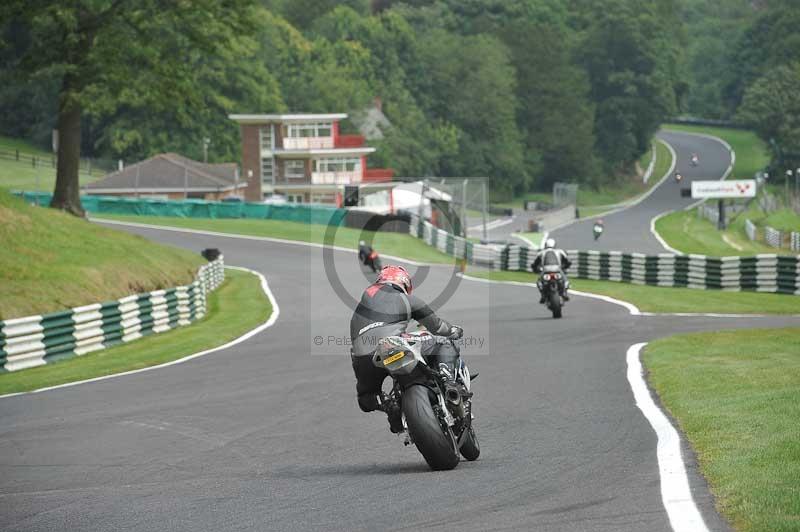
(736, 397)
(23, 175)
(689, 233)
(663, 299)
(50, 261)
(397, 244)
(751, 152)
(236, 307)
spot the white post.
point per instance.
(136, 185)
(483, 201)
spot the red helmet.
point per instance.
(397, 276)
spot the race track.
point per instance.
(267, 435)
(629, 230)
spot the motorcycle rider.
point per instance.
(598, 228)
(364, 251)
(550, 257)
(385, 309)
(695, 159)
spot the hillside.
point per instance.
(50, 261)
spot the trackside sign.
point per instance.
(737, 188)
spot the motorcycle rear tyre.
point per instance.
(555, 304)
(436, 447)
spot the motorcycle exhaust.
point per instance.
(453, 396)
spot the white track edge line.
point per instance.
(634, 202)
(252, 237)
(633, 309)
(276, 311)
(696, 203)
(676, 494)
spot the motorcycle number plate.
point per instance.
(393, 358)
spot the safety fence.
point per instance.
(763, 273)
(772, 237)
(751, 230)
(711, 212)
(37, 340)
(192, 208)
(795, 242)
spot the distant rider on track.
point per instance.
(551, 258)
(386, 309)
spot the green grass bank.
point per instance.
(736, 397)
(397, 244)
(52, 261)
(236, 307)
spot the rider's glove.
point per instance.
(456, 332)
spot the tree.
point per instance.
(771, 106)
(96, 47)
(628, 55)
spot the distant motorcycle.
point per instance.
(436, 413)
(678, 177)
(597, 230)
(695, 160)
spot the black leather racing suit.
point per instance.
(549, 260)
(385, 310)
(364, 253)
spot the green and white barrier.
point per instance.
(762, 273)
(37, 340)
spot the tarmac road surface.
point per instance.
(629, 229)
(267, 435)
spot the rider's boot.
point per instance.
(395, 416)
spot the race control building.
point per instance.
(303, 157)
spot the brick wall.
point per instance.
(251, 161)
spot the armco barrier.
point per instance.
(762, 273)
(193, 208)
(750, 229)
(773, 237)
(37, 340)
(795, 241)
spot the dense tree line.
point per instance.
(743, 65)
(525, 92)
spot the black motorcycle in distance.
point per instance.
(550, 286)
(597, 230)
(436, 413)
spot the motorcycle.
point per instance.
(694, 161)
(678, 177)
(436, 413)
(597, 230)
(374, 261)
(550, 287)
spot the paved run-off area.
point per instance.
(267, 435)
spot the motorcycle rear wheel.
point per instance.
(555, 304)
(437, 447)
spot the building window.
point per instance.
(267, 175)
(339, 164)
(308, 130)
(323, 198)
(294, 198)
(265, 137)
(295, 169)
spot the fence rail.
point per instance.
(37, 340)
(91, 166)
